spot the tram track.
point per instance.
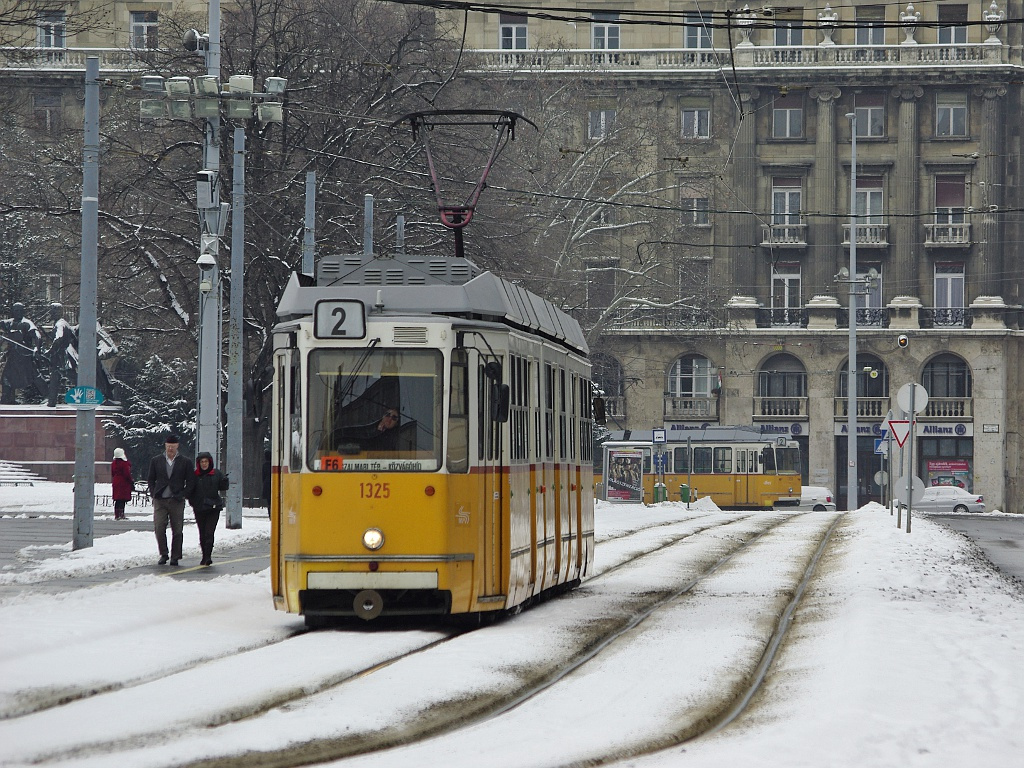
(639, 543)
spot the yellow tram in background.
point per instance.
(432, 442)
(737, 467)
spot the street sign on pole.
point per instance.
(87, 396)
(881, 446)
(900, 430)
(912, 398)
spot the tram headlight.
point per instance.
(373, 538)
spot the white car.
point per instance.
(816, 498)
(949, 498)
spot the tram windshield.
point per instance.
(375, 409)
(788, 458)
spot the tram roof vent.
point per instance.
(358, 269)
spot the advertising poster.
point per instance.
(950, 472)
(625, 476)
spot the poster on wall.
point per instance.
(950, 472)
(625, 476)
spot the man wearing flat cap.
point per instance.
(170, 481)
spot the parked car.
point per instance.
(949, 498)
(816, 498)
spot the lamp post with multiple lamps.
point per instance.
(182, 98)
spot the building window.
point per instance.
(696, 122)
(949, 287)
(600, 123)
(870, 298)
(512, 32)
(788, 117)
(605, 31)
(952, 24)
(869, 200)
(951, 115)
(47, 111)
(51, 287)
(789, 32)
(947, 376)
(696, 33)
(786, 289)
(870, 112)
(694, 206)
(870, 28)
(691, 376)
(144, 29)
(950, 199)
(51, 28)
(786, 194)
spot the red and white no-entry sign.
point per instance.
(900, 430)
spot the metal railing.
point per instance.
(945, 317)
(867, 317)
(776, 318)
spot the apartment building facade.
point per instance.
(931, 93)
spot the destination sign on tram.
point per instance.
(339, 319)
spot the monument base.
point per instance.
(43, 439)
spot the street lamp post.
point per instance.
(851, 382)
(184, 98)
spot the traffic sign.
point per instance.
(916, 491)
(881, 446)
(900, 430)
(83, 396)
(920, 397)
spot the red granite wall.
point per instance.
(42, 440)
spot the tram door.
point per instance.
(489, 454)
(279, 458)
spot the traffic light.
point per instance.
(903, 341)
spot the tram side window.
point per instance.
(549, 411)
(702, 461)
(681, 461)
(561, 414)
(295, 418)
(741, 462)
(723, 461)
(457, 457)
(768, 460)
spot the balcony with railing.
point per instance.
(780, 318)
(948, 409)
(771, 408)
(945, 317)
(867, 317)
(635, 60)
(615, 406)
(792, 235)
(691, 408)
(868, 235)
(868, 408)
(677, 318)
(73, 59)
(947, 235)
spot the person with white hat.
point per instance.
(121, 481)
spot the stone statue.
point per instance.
(22, 338)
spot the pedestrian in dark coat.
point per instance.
(122, 484)
(206, 502)
(170, 482)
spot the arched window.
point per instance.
(691, 376)
(947, 376)
(872, 378)
(782, 376)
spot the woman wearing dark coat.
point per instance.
(206, 502)
(122, 484)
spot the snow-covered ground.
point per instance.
(906, 652)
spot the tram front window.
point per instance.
(789, 460)
(375, 409)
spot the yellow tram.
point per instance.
(737, 467)
(431, 445)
